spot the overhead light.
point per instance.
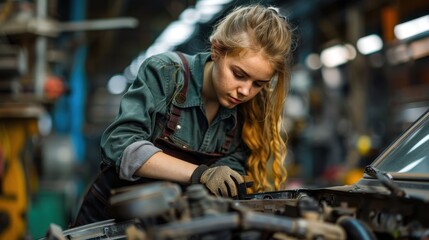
(369, 44)
(213, 2)
(190, 16)
(420, 48)
(135, 65)
(351, 52)
(337, 55)
(207, 13)
(128, 74)
(412, 28)
(209, 8)
(176, 33)
(158, 47)
(332, 77)
(312, 61)
(117, 84)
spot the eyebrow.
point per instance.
(247, 75)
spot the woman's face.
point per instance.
(237, 79)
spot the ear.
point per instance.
(214, 51)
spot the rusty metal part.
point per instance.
(144, 201)
(197, 226)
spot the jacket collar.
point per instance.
(194, 95)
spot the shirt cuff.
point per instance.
(135, 155)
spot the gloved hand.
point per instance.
(220, 181)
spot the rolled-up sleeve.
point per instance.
(134, 157)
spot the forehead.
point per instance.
(254, 63)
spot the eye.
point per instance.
(259, 84)
(238, 75)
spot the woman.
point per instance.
(209, 118)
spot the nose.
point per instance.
(244, 88)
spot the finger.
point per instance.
(223, 189)
(212, 190)
(237, 177)
(232, 187)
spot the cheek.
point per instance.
(222, 85)
(254, 92)
(224, 81)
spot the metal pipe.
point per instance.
(41, 47)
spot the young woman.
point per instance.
(209, 119)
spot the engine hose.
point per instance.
(356, 229)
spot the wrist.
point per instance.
(196, 175)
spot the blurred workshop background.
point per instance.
(360, 77)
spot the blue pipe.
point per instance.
(78, 85)
(356, 229)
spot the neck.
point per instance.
(208, 94)
(211, 103)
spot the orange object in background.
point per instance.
(389, 18)
(54, 87)
(353, 176)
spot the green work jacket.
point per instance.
(128, 142)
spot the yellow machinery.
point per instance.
(18, 124)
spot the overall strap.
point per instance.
(180, 98)
(228, 140)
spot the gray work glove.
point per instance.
(220, 181)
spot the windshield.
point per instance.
(410, 153)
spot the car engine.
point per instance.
(163, 210)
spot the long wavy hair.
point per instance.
(264, 30)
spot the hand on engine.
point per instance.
(220, 180)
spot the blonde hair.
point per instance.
(264, 30)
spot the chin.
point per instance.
(227, 104)
(231, 106)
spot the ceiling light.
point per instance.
(412, 28)
(337, 55)
(176, 33)
(369, 44)
(117, 84)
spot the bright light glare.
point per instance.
(337, 55)
(411, 165)
(351, 52)
(206, 3)
(313, 61)
(158, 47)
(412, 28)
(422, 141)
(209, 8)
(128, 75)
(207, 13)
(212, 2)
(117, 84)
(190, 16)
(420, 48)
(176, 33)
(135, 64)
(369, 44)
(332, 77)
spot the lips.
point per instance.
(234, 100)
